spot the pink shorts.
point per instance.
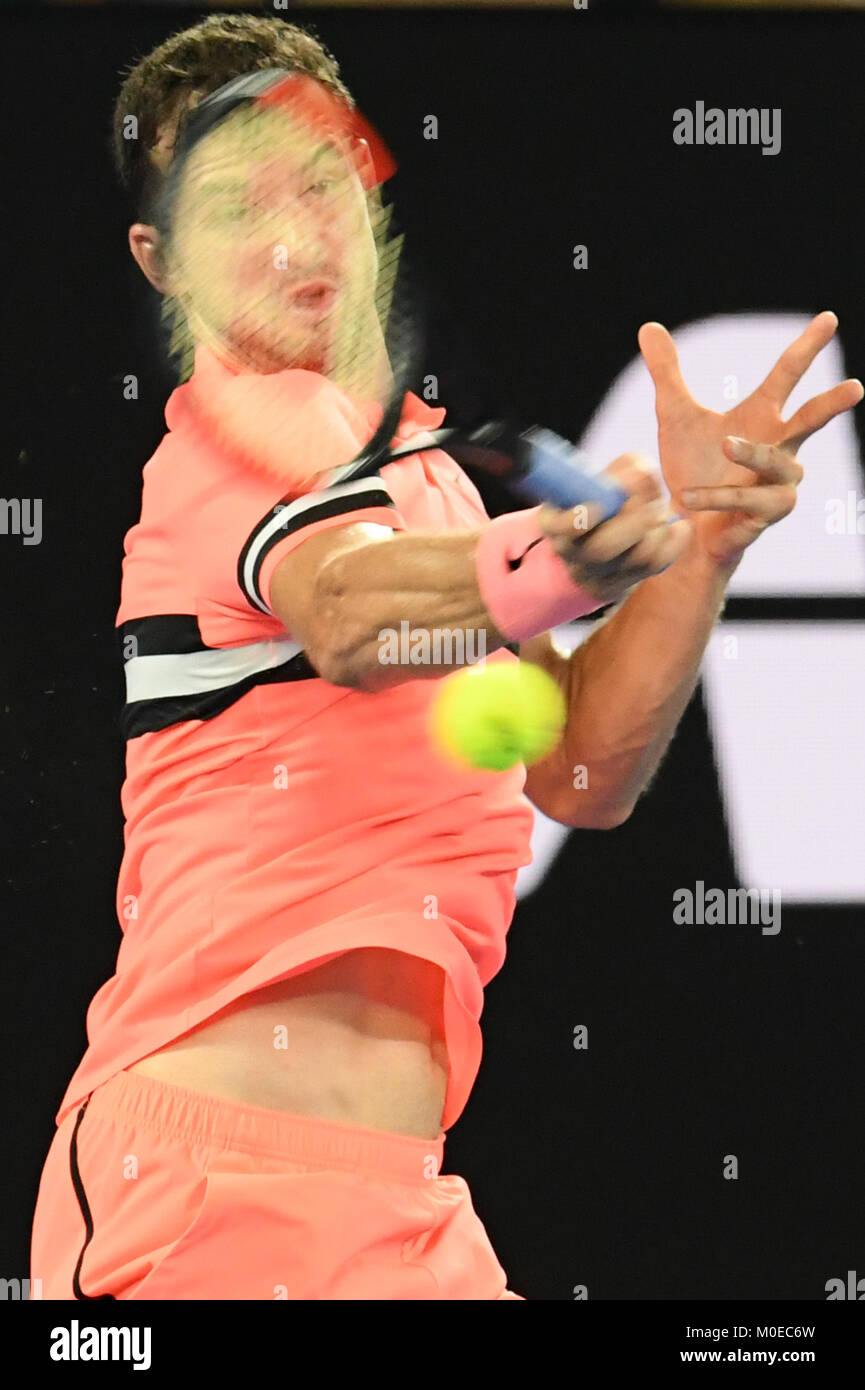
(152, 1191)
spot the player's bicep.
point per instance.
(294, 593)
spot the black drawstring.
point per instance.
(85, 1210)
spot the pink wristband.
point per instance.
(540, 592)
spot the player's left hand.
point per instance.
(733, 475)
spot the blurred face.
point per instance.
(272, 254)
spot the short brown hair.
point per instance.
(198, 60)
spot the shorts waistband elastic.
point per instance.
(214, 1121)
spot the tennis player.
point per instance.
(311, 901)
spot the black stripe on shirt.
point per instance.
(331, 504)
(148, 716)
(175, 634)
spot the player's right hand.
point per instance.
(607, 558)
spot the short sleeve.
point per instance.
(244, 530)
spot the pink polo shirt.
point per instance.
(273, 820)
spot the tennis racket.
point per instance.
(291, 295)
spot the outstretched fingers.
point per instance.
(817, 412)
(797, 358)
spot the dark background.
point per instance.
(601, 1167)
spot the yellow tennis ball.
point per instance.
(497, 715)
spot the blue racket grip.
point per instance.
(557, 472)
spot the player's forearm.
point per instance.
(630, 683)
(407, 608)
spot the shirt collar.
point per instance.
(417, 416)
